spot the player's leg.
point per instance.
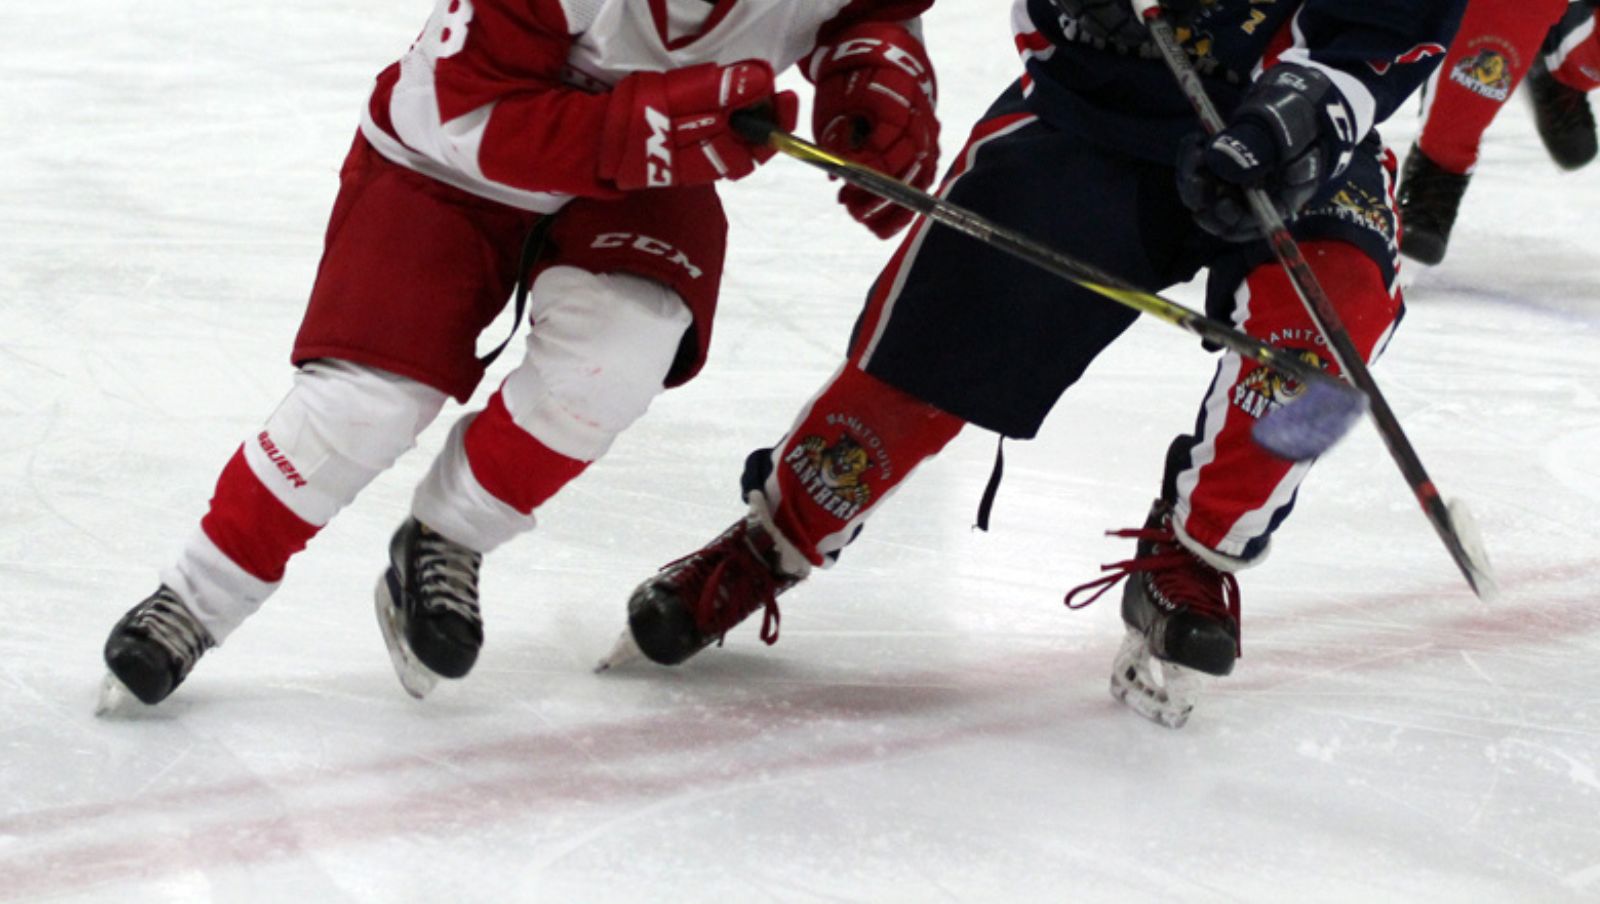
(954, 331)
(1497, 43)
(379, 349)
(1222, 495)
(621, 308)
(1559, 84)
(857, 441)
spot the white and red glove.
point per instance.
(671, 128)
(875, 106)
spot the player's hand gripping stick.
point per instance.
(1305, 428)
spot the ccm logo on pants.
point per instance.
(647, 245)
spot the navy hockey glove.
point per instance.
(1115, 22)
(1293, 134)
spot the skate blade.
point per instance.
(115, 699)
(416, 678)
(623, 652)
(1166, 699)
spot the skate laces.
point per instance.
(1176, 574)
(732, 579)
(164, 619)
(447, 576)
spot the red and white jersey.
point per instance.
(506, 98)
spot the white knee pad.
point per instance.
(598, 353)
(340, 426)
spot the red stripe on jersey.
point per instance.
(251, 527)
(658, 13)
(513, 466)
(1280, 42)
(378, 103)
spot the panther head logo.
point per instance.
(1488, 68)
(841, 464)
(1277, 387)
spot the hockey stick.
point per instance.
(1452, 521)
(1299, 430)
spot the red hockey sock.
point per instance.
(1497, 43)
(1231, 490)
(251, 527)
(855, 443)
(511, 464)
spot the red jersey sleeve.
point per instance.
(480, 97)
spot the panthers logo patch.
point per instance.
(1486, 73)
(1264, 389)
(833, 475)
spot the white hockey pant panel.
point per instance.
(340, 426)
(598, 353)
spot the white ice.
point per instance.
(932, 726)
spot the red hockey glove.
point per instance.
(874, 105)
(671, 128)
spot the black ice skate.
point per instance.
(151, 650)
(1563, 118)
(1429, 197)
(1179, 611)
(694, 601)
(427, 605)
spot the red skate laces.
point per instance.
(1177, 576)
(732, 579)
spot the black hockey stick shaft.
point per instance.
(1325, 316)
(756, 128)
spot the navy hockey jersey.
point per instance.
(1378, 52)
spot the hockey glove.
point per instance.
(875, 106)
(1293, 134)
(671, 128)
(1116, 23)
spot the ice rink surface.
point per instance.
(933, 725)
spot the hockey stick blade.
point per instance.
(1472, 557)
(1311, 424)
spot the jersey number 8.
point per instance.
(446, 31)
